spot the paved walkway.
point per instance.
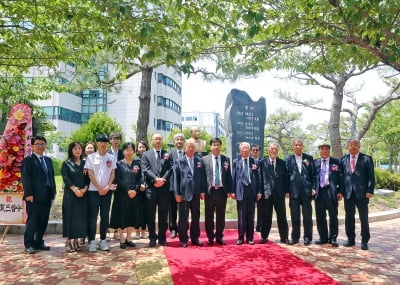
(379, 265)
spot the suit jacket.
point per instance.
(362, 181)
(225, 170)
(174, 155)
(304, 181)
(120, 154)
(150, 170)
(238, 179)
(34, 178)
(334, 177)
(271, 180)
(187, 184)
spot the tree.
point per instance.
(99, 123)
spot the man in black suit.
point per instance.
(328, 175)
(178, 152)
(219, 188)
(359, 182)
(275, 186)
(157, 170)
(190, 185)
(256, 154)
(39, 190)
(246, 192)
(302, 187)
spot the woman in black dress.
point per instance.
(74, 205)
(128, 178)
(142, 199)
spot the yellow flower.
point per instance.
(19, 115)
(18, 174)
(15, 148)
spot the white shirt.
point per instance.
(299, 162)
(102, 166)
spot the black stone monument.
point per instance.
(244, 121)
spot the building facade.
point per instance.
(211, 122)
(68, 111)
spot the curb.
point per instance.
(55, 227)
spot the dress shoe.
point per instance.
(130, 243)
(42, 247)
(321, 242)
(221, 242)
(239, 242)
(263, 240)
(364, 246)
(30, 250)
(334, 243)
(250, 242)
(122, 245)
(293, 241)
(184, 244)
(307, 241)
(349, 243)
(285, 241)
(210, 242)
(173, 234)
(162, 242)
(152, 243)
(197, 242)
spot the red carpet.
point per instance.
(245, 264)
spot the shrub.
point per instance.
(57, 163)
(386, 180)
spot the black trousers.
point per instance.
(172, 212)
(36, 223)
(215, 202)
(277, 202)
(246, 212)
(193, 207)
(350, 209)
(96, 203)
(158, 203)
(303, 202)
(326, 203)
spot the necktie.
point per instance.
(353, 163)
(246, 172)
(322, 174)
(216, 173)
(179, 153)
(273, 164)
(191, 165)
(158, 160)
(44, 166)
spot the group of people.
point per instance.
(167, 187)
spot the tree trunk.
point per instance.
(144, 105)
(334, 121)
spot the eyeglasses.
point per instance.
(39, 144)
(255, 150)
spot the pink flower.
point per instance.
(335, 167)
(226, 165)
(135, 169)
(166, 156)
(254, 167)
(109, 162)
(198, 165)
(306, 162)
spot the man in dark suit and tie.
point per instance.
(359, 182)
(219, 188)
(275, 187)
(190, 186)
(39, 190)
(178, 152)
(157, 170)
(302, 187)
(328, 175)
(246, 192)
(256, 154)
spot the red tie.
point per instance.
(353, 163)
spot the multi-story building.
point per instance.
(211, 122)
(67, 111)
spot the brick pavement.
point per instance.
(142, 265)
